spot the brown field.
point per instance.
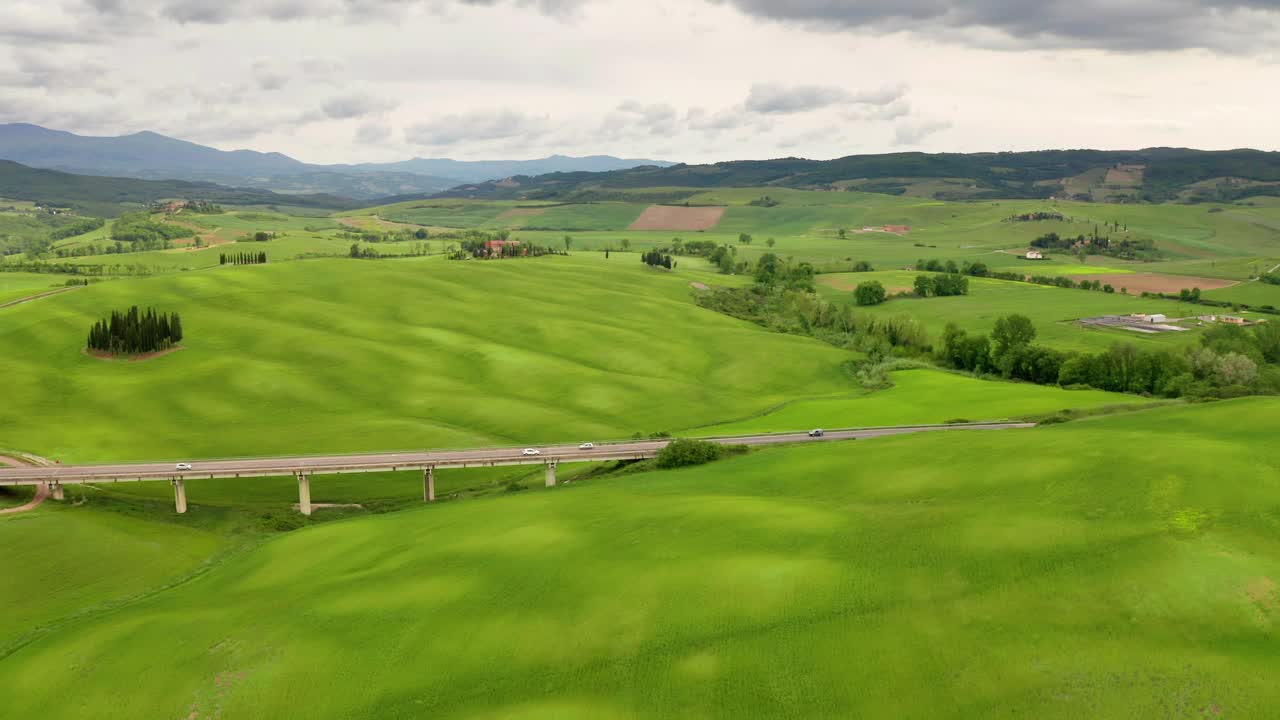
(686, 219)
(1152, 282)
(521, 212)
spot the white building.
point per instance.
(1034, 255)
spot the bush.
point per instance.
(870, 293)
(685, 453)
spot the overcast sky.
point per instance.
(685, 80)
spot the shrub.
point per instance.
(685, 453)
(870, 293)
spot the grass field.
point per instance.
(15, 285)
(922, 397)
(330, 355)
(76, 561)
(1051, 308)
(1064, 572)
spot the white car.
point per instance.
(587, 446)
(817, 433)
(531, 451)
(184, 466)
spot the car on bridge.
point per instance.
(817, 433)
(587, 446)
(183, 466)
(531, 451)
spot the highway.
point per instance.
(428, 460)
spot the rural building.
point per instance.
(1035, 255)
(899, 229)
(1233, 320)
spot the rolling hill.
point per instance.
(109, 196)
(149, 155)
(1152, 175)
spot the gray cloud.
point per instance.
(477, 127)
(635, 118)
(1128, 25)
(771, 99)
(345, 107)
(374, 133)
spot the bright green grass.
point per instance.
(445, 213)
(255, 221)
(922, 397)
(290, 247)
(806, 224)
(64, 560)
(1052, 309)
(1117, 568)
(1249, 293)
(595, 216)
(15, 285)
(333, 355)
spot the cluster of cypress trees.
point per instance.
(655, 258)
(135, 332)
(243, 258)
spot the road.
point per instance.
(444, 459)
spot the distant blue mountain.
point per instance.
(149, 155)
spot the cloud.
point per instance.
(373, 133)
(772, 99)
(634, 118)
(1127, 25)
(477, 127)
(914, 133)
(345, 107)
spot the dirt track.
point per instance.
(37, 296)
(678, 218)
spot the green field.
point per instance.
(922, 397)
(1064, 572)
(1052, 309)
(330, 355)
(16, 285)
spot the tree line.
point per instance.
(134, 332)
(1231, 361)
(243, 258)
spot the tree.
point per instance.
(568, 243)
(626, 244)
(770, 242)
(869, 293)
(744, 239)
(1011, 332)
(923, 286)
(842, 233)
(421, 234)
(768, 269)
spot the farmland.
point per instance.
(1120, 564)
(1100, 579)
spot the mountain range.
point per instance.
(151, 156)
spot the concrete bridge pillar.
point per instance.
(551, 474)
(180, 496)
(429, 485)
(304, 493)
(58, 493)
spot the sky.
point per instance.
(335, 81)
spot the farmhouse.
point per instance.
(899, 229)
(1034, 255)
(1233, 320)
